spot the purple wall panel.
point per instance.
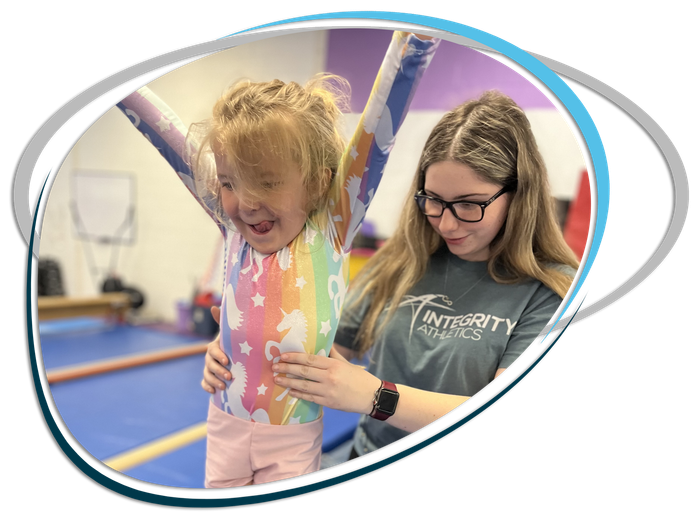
(456, 74)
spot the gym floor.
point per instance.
(146, 421)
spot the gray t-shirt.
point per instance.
(451, 333)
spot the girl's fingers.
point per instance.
(217, 370)
(302, 371)
(213, 368)
(304, 386)
(215, 353)
(220, 358)
(213, 380)
(210, 382)
(206, 386)
(310, 360)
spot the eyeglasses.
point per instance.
(467, 211)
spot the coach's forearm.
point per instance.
(417, 408)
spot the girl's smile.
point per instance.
(271, 220)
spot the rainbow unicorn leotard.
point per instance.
(291, 300)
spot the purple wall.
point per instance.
(456, 73)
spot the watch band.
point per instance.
(386, 398)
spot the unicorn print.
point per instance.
(235, 392)
(353, 186)
(256, 258)
(384, 135)
(284, 258)
(234, 316)
(292, 342)
(338, 297)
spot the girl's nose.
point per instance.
(248, 203)
(448, 222)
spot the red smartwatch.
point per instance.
(386, 398)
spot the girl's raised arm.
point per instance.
(363, 162)
(167, 133)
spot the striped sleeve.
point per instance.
(362, 165)
(167, 133)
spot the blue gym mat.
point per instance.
(86, 344)
(112, 413)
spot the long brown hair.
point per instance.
(492, 136)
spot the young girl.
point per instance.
(270, 169)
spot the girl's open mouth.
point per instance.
(262, 228)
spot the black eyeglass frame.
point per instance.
(449, 204)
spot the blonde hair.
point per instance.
(492, 136)
(256, 122)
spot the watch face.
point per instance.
(387, 401)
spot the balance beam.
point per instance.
(122, 362)
(69, 307)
